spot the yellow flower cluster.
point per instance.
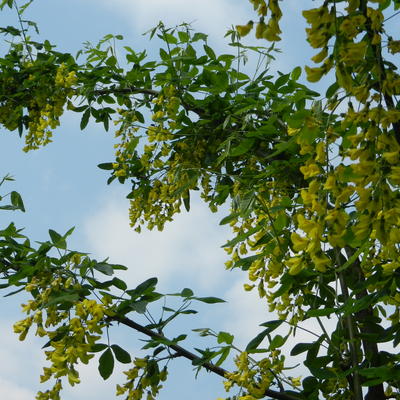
(71, 333)
(270, 30)
(357, 38)
(143, 379)
(46, 107)
(127, 140)
(254, 377)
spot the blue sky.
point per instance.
(62, 187)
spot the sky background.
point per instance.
(62, 187)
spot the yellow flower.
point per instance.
(395, 175)
(389, 268)
(361, 93)
(296, 265)
(394, 46)
(299, 243)
(121, 390)
(244, 30)
(313, 15)
(307, 197)
(261, 28)
(272, 31)
(295, 381)
(314, 74)
(353, 53)
(376, 18)
(321, 154)
(330, 183)
(309, 170)
(320, 56)
(317, 38)
(391, 157)
(321, 261)
(73, 377)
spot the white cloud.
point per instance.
(14, 351)
(210, 16)
(21, 364)
(187, 253)
(14, 391)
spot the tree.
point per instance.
(313, 183)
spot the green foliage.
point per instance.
(314, 198)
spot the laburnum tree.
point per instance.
(313, 182)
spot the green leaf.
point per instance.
(188, 312)
(139, 306)
(297, 119)
(186, 200)
(277, 341)
(119, 283)
(120, 354)
(54, 236)
(169, 38)
(317, 367)
(209, 300)
(183, 36)
(164, 55)
(107, 166)
(69, 298)
(295, 74)
(224, 354)
(353, 306)
(282, 80)
(225, 337)
(244, 146)
(8, 3)
(106, 364)
(320, 312)
(144, 286)
(210, 52)
(199, 36)
(16, 201)
(272, 325)
(301, 348)
(310, 384)
(332, 89)
(186, 292)
(229, 218)
(355, 256)
(85, 119)
(104, 268)
(14, 292)
(98, 347)
(255, 342)
(287, 282)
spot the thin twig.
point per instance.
(23, 31)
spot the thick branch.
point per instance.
(137, 90)
(129, 90)
(180, 351)
(354, 379)
(371, 351)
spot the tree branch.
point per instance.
(137, 90)
(128, 90)
(371, 351)
(180, 351)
